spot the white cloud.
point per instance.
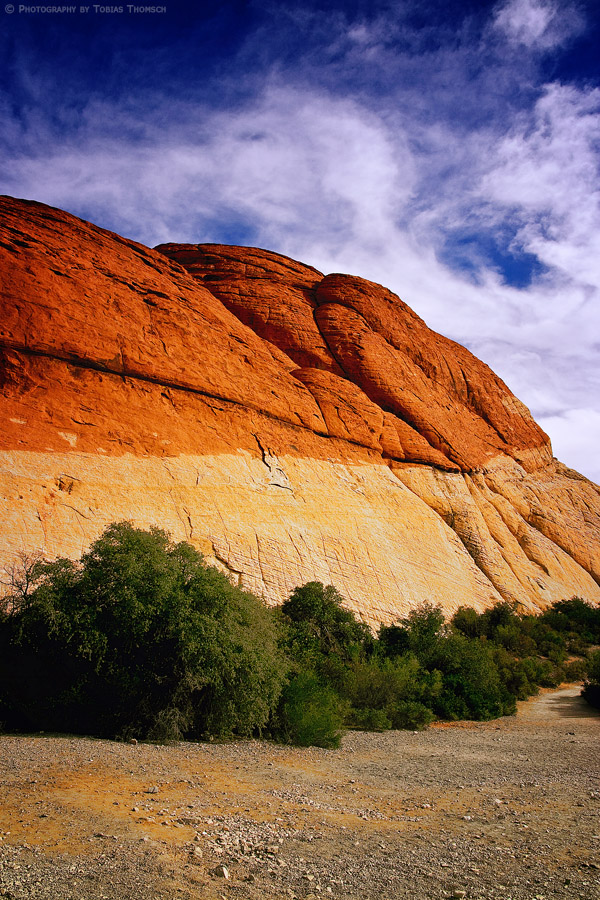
(546, 171)
(538, 23)
(576, 437)
(298, 158)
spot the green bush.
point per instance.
(370, 719)
(550, 675)
(501, 615)
(576, 670)
(591, 688)
(412, 715)
(310, 713)
(169, 725)
(378, 683)
(548, 641)
(426, 628)
(393, 640)
(468, 622)
(574, 617)
(319, 626)
(576, 645)
(378, 691)
(140, 638)
(472, 687)
(517, 675)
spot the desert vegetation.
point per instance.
(141, 639)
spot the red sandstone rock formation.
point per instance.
(449, 408)
(294, 426)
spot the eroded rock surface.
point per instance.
(293, 426)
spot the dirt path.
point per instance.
(507, 809)
(566, 703)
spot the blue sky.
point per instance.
(447, 150)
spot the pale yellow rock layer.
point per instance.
(273, 524)
(279, 522)
(503, 535)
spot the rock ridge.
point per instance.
(293, 425)
(362, 333)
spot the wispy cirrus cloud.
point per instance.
(545, 174)
(540, 24)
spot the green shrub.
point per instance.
(517, 675)
(575, 617)
(370, 719)
(550, 675)
(591, 693)
(425, 626)
(319, 626)
(591, 688)
(393, 640)
(378, 683)
(548, 641)
(576, 645)
(169, 725)
(140, 638)
(501, 615)
(468, 622)
(472, 687)
(310, 713)
(576, 670)
(412, 715)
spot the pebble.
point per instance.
(221, 872)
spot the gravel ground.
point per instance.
(507, 809)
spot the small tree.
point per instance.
(20, 578)
(575, 617)
(425, 626)
(319, 625)
(467, 621)
(472, 686)
(310, 713)
(393, 640)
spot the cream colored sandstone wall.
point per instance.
(386, 543)
(508, 519)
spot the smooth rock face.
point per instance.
(290, 425)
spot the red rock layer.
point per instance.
(380, 376)
(271, 294)
(74, 292)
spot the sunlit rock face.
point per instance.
(292, 426)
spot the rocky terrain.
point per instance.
(508, 810)
(292, 426)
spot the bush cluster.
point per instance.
(423, 668)
(591, 688)
(141, 638)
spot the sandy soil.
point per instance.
(507, 809)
